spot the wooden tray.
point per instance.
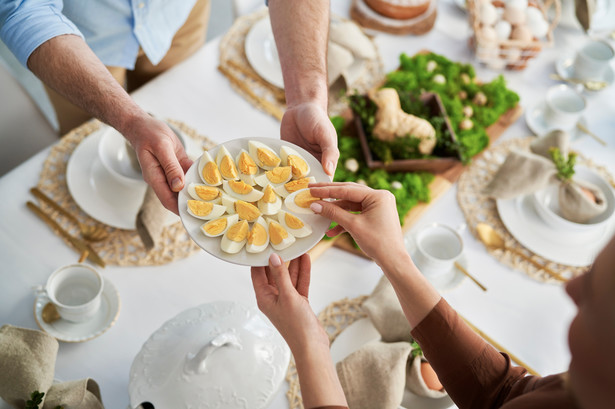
(438, 187)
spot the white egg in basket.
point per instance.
(235, 248)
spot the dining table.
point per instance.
(526, 316)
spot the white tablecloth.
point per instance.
(529, 318)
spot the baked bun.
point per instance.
(399, 9)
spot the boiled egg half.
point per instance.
(298, 164)
(300, 201)
(235, 237)
(225, 163)
(276, 176)
(241, 190)
(208, 170)
(279, 236)
(270, 203)
(294, 225)
(205, 210)
(247, 167)
(203, 192)
(294, 185)
(258, 238)
(264, 156)
(217, 227)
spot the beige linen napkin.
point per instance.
(375, 375)
(385, 312)
(350, 36)
(152, 218)
(527, 172)
(584, 10)
(82, 394)
(415, 382)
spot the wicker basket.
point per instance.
(512, 54)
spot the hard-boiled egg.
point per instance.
(258, 238)
(208, 170)
(300, 201)
(246, 211)
(298, 164)
(270, 203)
(203, 192)
(247, 167)
(217, 227)
(276, 176)
(278, 236)
(264, 156)
(294, 185)
(225, 163)
(241, 190)
(294, 225)
(205, 210)
(235, 237)
(229, 202)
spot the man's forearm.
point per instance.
(301, 30)
(66, 64)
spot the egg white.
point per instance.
(281, 189)
(290, 204)
(290, 239)
(195, 196)
(252, 248)
(222, 153)
(285, 151)
(252, 196)
(252, 148)
(229, 202)
(217, 211)
(205, 158)
(230, 246)
(270, 208)
(304, 231)
(230, 220)
(262, 180)
(249, 179)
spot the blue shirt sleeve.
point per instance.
(26, 24)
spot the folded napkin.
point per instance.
(416, 383)
(385, 312)
(527, 172)
(584, 10)
(152, 218)
(27, 362)
(375, 375)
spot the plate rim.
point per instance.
(259, 31)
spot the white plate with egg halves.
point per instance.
(213, 245)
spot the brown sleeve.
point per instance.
(473, 373)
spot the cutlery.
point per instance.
(583, 128)
(77, 243)
(464, 271)
(499, 347)
(88, 232)
(590, 85)
(492, 239)
(50, 313)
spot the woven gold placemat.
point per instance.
(121, 247)
(335, 318)
(235, 66)
(477, 208)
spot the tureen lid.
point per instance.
(217, 355)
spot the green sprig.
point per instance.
(36, 398)
(416, 349)
(564, 166)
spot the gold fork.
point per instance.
(88, 232)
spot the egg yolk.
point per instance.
(267, 157)
(298, 184)
(305, 199)
(215, 226)
(211, 174)
(207, 192)
(200, 208)
(258, 235)
(279, 175)
(247, 165)
(247, 211)
(240, 187)
(238, 232)
(268, 195)
(227, 168)
(277, 233)
(292, 221)
(300, 167)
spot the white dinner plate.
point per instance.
(212, 244)
(68, 331)
(534, 117)
(97, 192)
(262, 53)
(568, 248)
(564, 66)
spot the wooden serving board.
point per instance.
(438, 187)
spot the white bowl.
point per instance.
(547, 205)
(114, 155)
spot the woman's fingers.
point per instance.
(332, 212)
(352, 192)
(335, 231)
(303, 278)
(279, 273)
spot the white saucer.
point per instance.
(564, 66)
(68, 331)
(534, 117)
(262, 53)
(97, 192)
(568, 248)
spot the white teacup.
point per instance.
(437, 247)
(592, 60)
(564, 107)
(76, 291)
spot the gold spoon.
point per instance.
(470, 276)
(88, 232)
(590, 85)
(492, 239)
(584, 129)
